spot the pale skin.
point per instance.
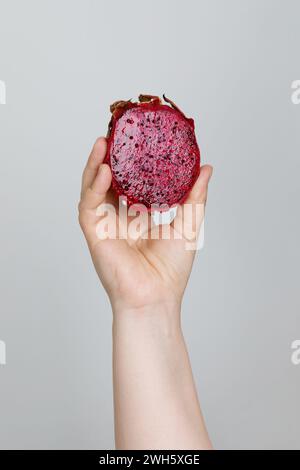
(155, 399)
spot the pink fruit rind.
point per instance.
(152, 151)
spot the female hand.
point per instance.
(155, 399)
(145, 269)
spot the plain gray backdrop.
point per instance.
(230, 65)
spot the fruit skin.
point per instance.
(152, 151)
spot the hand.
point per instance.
(155, 400)
(137, 271)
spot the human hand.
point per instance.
(144, 270)
(145, 275)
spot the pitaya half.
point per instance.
(152, 151)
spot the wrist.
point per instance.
(162, 317)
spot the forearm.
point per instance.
(156, 404)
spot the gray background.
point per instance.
(228, 64)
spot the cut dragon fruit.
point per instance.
(152, 151)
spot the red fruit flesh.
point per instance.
(153, 153)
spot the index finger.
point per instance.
(95, 159)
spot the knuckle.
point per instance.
(80, 207)
(82, 220)
(81, 215)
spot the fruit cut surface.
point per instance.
(153, 154)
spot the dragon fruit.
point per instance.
(152, 151)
